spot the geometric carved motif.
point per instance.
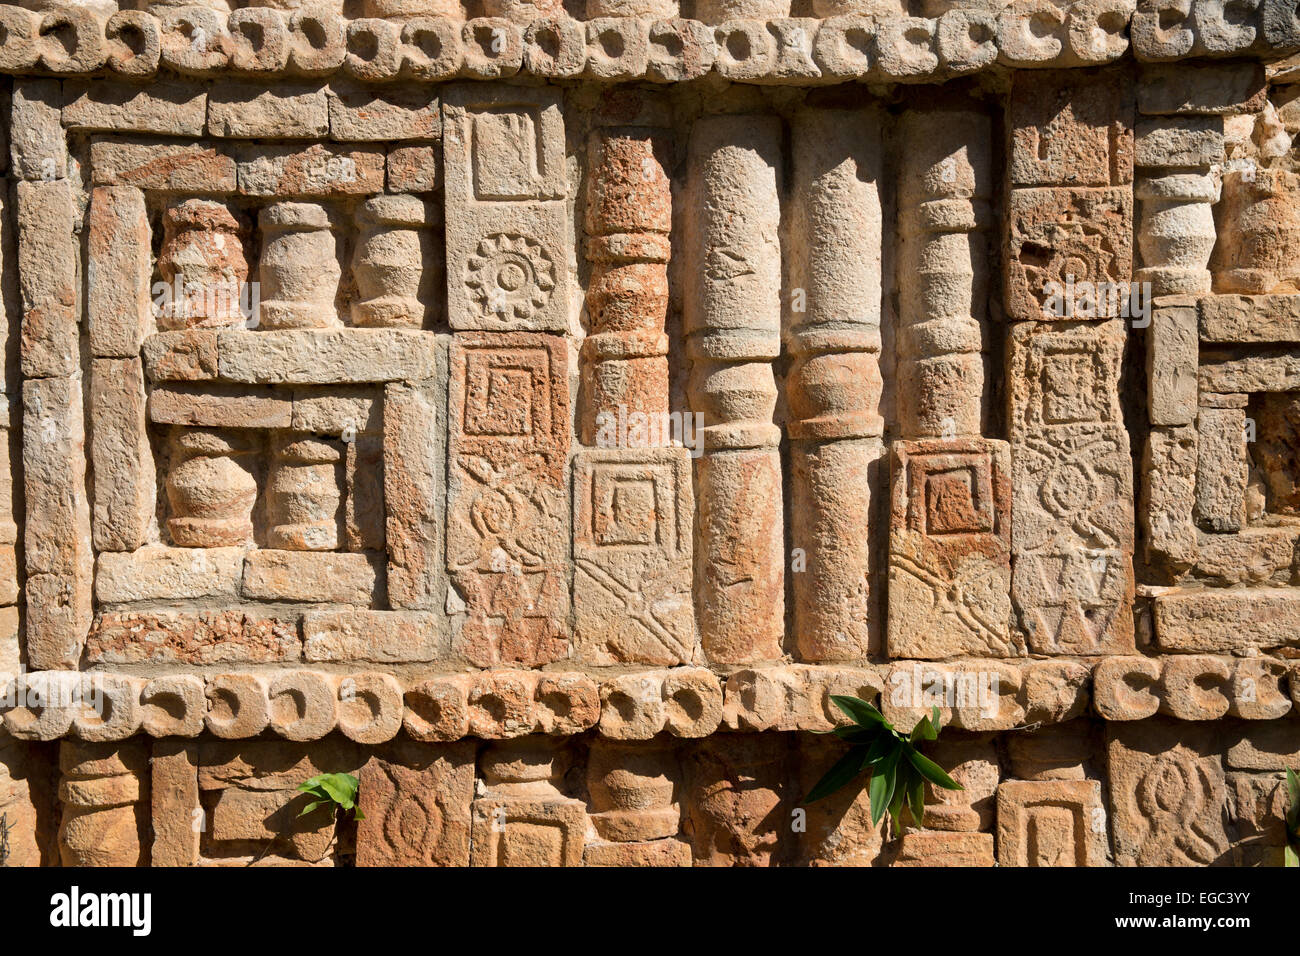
(1051, 823)
(507, 519)
(632, 512)
(507, 233)
(949, 549)
(1072, 539)
(1166, 793)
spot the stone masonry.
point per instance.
(540, 408)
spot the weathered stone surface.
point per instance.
(118, 295)
(506, 180)
(416, 802)
(158, 573)
(310, 357)
(507, 520)
(632, 548)
(938, 848)
(1166, 794)
(166, 108)
(379, 636)
(202, 637)
(125, 487)
(1051, 823)
(1223, 621)
(949, 550)
(324, 576)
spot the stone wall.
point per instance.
(540, 409)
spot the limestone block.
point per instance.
(326, 356)
(190, 168)
(503, 151)
(125, 485)
(48, 273)
(228, 636)
(238, 706)
(210, 406)
(57, 534)
(1070, 129)
(369, 707)
(36, 145)
(367, 114)
(174, 808)
(940, 848)
(302, 704)
(173, 706)
(159, 573)
(1222, 469)
(287, 111)
(413, 169)
(415, 800)
(632, 556)
(318, 171)
(949, 550)
(380, 637)
(555, 48)
(1169, 495)
(1172, 355)
(324, 576)
(1217, 620)
(118, 275)
(1126, 688)
(1166, 794)
(1051, 823)
(507, 517)
(736, 799)
(438, 709)
(1072, 540)
(165, 108)
(1061, 237)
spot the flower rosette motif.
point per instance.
(510, 276)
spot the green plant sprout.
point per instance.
(898, 770)
(335, 789)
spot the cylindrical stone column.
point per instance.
(834, 384)
(299, 268)
(733, 327)
(104, 792)
(944, 189)
(202, 261)
(628, 219)
(303, 496)
(389, 264)
(211, 488)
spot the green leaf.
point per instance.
(896, 806)
(880, 748)
(358, 815)
(924, 730)
(844, 770)
(916, 798)
(931, 771)
(934, 719)
(856, 734)
(859, 711)
(310, 807)
(884, 778)
(1292, 857)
